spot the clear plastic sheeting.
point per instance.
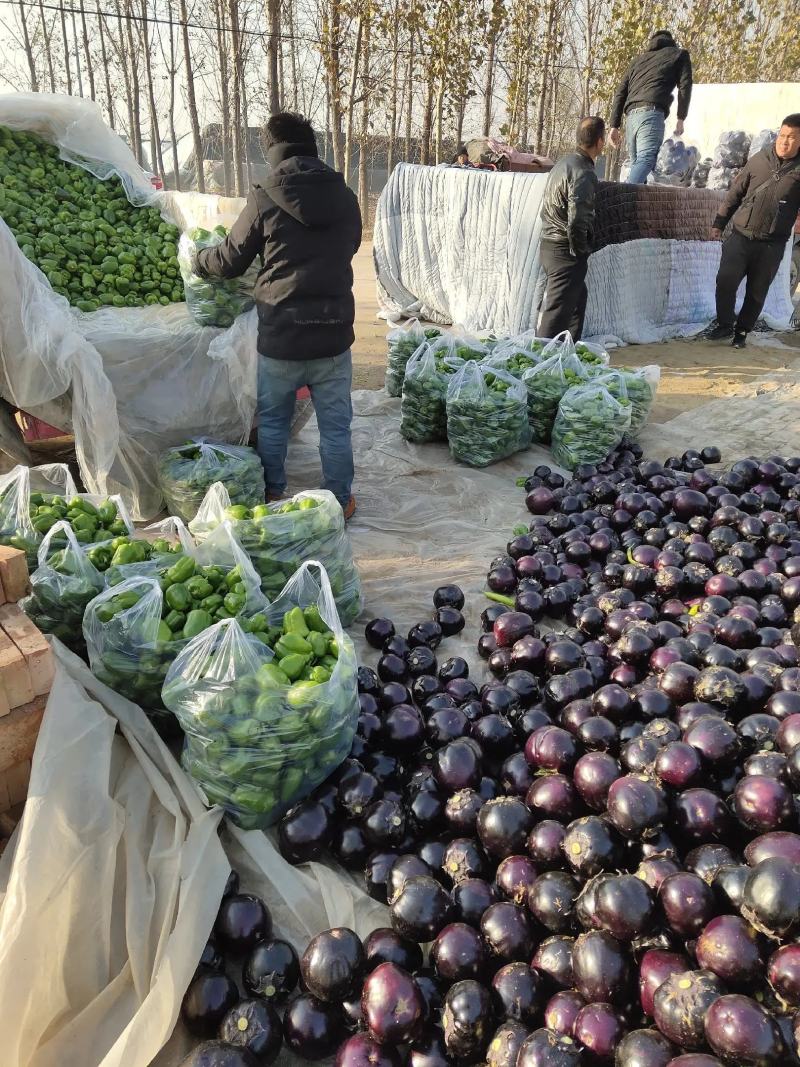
(140, 379)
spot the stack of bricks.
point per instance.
(26, 674)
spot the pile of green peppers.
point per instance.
(187, 472)
(91, 523)
(546, 384)
(590, 423)
(213, 301)
(262, 742)
(487, 417)
(95, 248)
(279, 537)
(403, 343)
(131, 647)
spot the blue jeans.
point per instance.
(645, 133)
(329, 381)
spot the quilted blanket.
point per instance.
(460, 246)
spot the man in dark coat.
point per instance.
(567, 215)
(305, 224)
(645, 97)
(763, 202)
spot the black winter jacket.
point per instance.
(652, 77)
(306, 225)
(764, 199)
(567, 210)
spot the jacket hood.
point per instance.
(661, 39)
(306, 188)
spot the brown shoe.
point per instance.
(350, 510)
(272, 498)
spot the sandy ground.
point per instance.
(693, 373)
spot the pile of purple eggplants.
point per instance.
(599, 848)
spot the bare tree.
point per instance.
(191, 99)
(26, 41)
(351, 97)
(363, 141)
(274, 43)
(89, 64)
(157, 158)
(169, 60)
(47, 37)
(101, 22)
(330, 50)
(238, 81)
(496, 18)
(65, 41)
(77, 53)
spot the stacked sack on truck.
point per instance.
(676, 163)
(729, 158)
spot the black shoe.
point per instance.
(739, 340)
(715, 331)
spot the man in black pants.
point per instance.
(567, 215)
(763, 201)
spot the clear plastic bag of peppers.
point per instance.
(280, 536)
(267, 717)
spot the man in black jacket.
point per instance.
(567, 215)
(305, 224)
(763, 201)
(645, 96)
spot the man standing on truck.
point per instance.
(567, 215)
(763, 202)
(645, 97)
(305, 224)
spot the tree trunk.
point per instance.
(427, 124)
(439, 118)
(273, 48)
(119, 47)
(331, 25)
(488, 86)
(222, 55)
(77, 53)
(296, 79)
(89, 64)
(104, 54)
(28, 50)
(351, 96)
(65, 39)
(393, 99)
(157, 161)
(410, 94)
(135, 89)
(248, 163)
(191, 100)
(48, 50)
(173, 71)
(363, 177)
(544, 84)
(236, 45)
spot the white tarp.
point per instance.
(111, 884)
(141, 379)
(453, 245)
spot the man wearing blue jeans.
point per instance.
(305, 224)
(645, 97)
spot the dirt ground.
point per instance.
(693, 373)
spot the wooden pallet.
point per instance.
(26, 675)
